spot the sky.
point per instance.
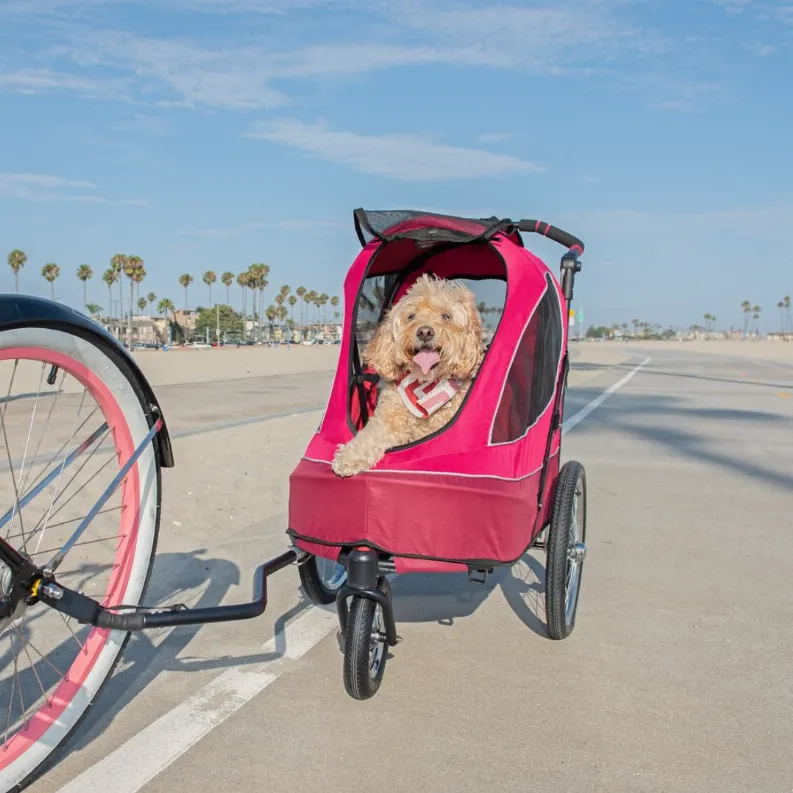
(210, 134)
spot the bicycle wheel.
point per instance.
(94, 417)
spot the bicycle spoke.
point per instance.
(74, 635)
(63, 466)
(35, 673)
(21, 483)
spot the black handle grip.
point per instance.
(553, 233)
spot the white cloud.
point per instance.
(493, 137)
(397, 156)
(9, 180)
(39, 81)
(46, 188)
(143, 124)
(673, 95)
(305, 226)
(233, 231)
(247, 72)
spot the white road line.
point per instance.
(135, 763)
(598, 401)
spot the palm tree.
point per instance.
(134, 270)
(16, 261)
(166, 306)
(279, 299)
(109, 277)
(781, 306)
(185, 280)
(259, 272)
(271, 313)
(227, 279)
(51, 271)
(84, 272)
(756, 317)
(301, 292)
(321, 302)
(210, 278)
(707, 319)
(118, 264)
(151, 297)
(308, 299)
(242, 280)
(334, 301)
(93, 309)
(786, 301)
(292, 299)
(253, 284)
(746, 307)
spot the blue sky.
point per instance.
(209, 134)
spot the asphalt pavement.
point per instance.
(676, 678)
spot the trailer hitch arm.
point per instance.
(89, 612)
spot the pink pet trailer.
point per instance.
(483, 489)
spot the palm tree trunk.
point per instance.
(52, 288)
(244, 324)
(85, 294)
(129, 324)
(16, 279)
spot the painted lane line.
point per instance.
(136, 762)
(598, 401)
(141, 758)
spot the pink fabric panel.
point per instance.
(446, 517)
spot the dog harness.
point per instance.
(424, 398)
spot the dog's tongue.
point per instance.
(426, 359)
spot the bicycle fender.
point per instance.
(20, 310)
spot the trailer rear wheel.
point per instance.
(566, 550)
(321, 579)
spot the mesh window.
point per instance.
(424, 227)
(376, 296)
(531, 380)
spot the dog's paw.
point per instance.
(347, 464)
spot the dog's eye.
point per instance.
(411, 317)
(446, 317)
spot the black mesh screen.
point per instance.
(424, 227)
(531, 380)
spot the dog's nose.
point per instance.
(425, 333)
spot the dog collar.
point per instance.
(422, 399)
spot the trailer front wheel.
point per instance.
(365, 645)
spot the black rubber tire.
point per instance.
(358, 682)
(313, 586)
(570, 476)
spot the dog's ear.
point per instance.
(380, 352)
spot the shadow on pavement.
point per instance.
(142, 660)
(637, 416)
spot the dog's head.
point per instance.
(434, 331)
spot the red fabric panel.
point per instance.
(323, 551)
(404, 564)
(448, 517)
(370, 389)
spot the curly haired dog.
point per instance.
(426, 351)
